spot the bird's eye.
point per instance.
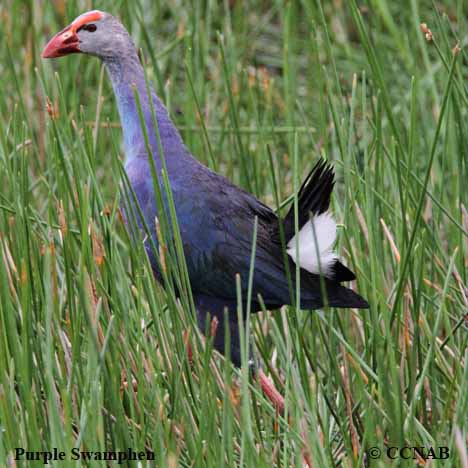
(88, 27)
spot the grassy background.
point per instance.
(92, 350)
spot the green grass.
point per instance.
(92, 351)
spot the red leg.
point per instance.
(269, 389)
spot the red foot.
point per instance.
(269, 389)
(188, 347)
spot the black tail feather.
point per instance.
(344, 297)
(340, 273)
(336, 296)
(313, 197)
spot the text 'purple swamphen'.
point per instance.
(215, 217)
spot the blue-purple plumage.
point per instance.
(215, 217)
(216, 221)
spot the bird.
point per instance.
(217, 219)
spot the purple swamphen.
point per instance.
(215, 217)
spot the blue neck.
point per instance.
(127, 77)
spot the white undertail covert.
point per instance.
(317, 236)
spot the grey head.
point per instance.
(95, 33)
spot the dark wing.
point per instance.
(218, 233)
